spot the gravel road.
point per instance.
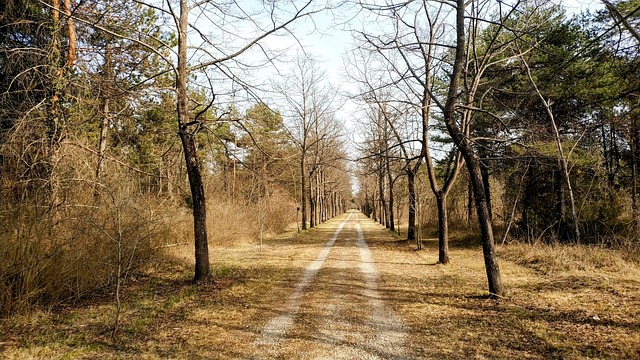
(336, 310)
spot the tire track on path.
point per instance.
(339, 313)
(390, 330)
(278, 327)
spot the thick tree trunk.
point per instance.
(443, 228)
(202, 267)
(411, 224)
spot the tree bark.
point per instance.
(303, 191)
(106, 111)
(411, 223)
(443, 228)
(383, 200)
(469, 204)
(484, 168)
(635, 149)
(312, 203)
(391, 220)
(202, 267)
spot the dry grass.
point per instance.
(562, 302)
(233, 222)
(587, 306)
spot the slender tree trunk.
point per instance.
(106, 111)
(470, 157)
(104, 130)
(563, 160)
(469, 204)
(383, 200)
(635, 136)
(312, 203)
(391, 219)
(54, 114)
(202, 267)
(411, 224)
(443, 228)
(559, 190)
(334, 205)
(485, 180)
(374, 209)
(303, 191)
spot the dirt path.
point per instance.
(336, 310)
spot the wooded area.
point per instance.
(541, 108)
(114, 128)
(126, 127)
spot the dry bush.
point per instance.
(231, 222)
(45, 263)
(46, 266)
(560, 258)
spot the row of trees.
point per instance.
(92, 96)
(538, 104)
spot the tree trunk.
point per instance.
(559, 190)
(443, 228)
(469, 204)
(312, 203)
(484, 168)
(411, 225)
(383, 200)
(202, 267)
(635, 136)
(486, 230)
(391, 219)
(563, 160)
(106, 111)
(104, 129)
(471, 159)
(303, 192)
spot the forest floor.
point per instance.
(332, 293)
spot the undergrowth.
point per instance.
(559, 258)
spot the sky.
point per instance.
(328, 38)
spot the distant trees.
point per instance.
(316, 134)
